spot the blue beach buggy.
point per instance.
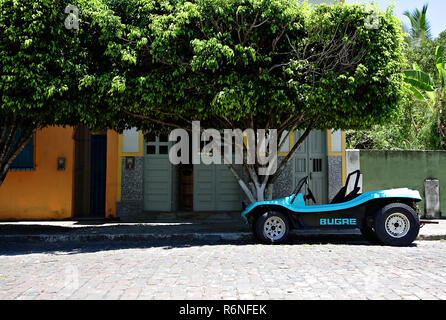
(388, 217)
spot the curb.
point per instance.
(234, 236)
(432, 237)
(51, 238)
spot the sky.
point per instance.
(436, 12)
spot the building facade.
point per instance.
(62, 173)
(148, 183)
(71, 173)
(67, 173)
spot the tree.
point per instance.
(162, 64)
(402, 133)
(41, 66)
(34, 74)
(432, 93)
(254, 64)
(420, 29)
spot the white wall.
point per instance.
(130, 141)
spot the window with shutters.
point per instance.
(25, 159)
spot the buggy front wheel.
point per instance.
(272, 227)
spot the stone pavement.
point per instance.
(172, 269)
(211, 259)
(186, 229)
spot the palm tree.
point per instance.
(420, 29)
(424, 88)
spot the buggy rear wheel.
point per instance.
(272, 227)
(396, 224)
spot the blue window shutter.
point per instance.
(25, 159)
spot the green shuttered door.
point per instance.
(311, 160)
(158, 176)
(215, 189)
(157, 184)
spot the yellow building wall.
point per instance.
(113, 160)
(43, 193)
(46, 193)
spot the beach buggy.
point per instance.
(387, 217)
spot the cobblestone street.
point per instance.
(206, 270)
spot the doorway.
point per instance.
(90, 174)
(311, 160)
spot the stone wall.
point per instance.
(132, 190)
(334, 176)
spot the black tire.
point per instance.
(370, 235)
(252, 228)
(272, 227)
(396, 224)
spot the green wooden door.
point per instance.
(215, 189)
(158, 175)
(311, 160)
(204, 187)
(227, 192)
(317, 165)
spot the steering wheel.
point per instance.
(299, 186)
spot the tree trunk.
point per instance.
(9, 150)
(260, 188)
(441, 131)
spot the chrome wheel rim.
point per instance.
(397, 225)
(274, 228)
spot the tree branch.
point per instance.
(291, 154)
(144, 117)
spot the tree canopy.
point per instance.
(38, 66)
(42, 65)
(258, 64)
(258, 61)
(420, 28)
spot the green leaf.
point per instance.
(420, 80)
(419, 85)
(440, 64)
(432, 96)
(439, 57)
(416, 93)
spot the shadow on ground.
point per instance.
(77, 247)
(139, 235)
(110, 227)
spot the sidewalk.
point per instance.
(186, 229)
